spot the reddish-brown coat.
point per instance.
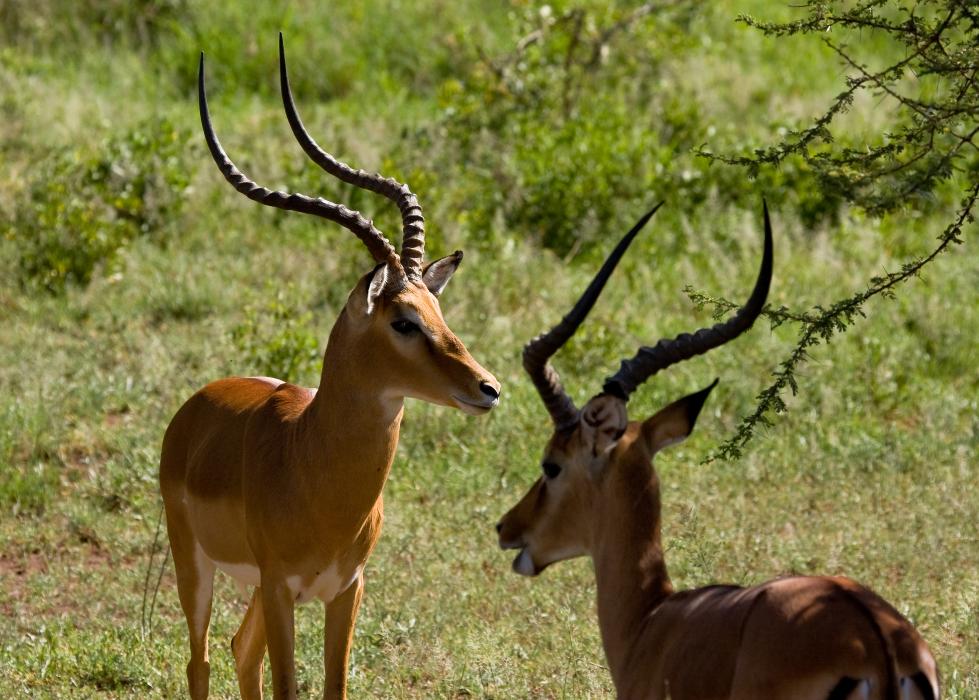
(280, 486)
(790, 638)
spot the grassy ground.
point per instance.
(872, 472)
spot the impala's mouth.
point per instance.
(524, 565)
(511, 544)
(475, 408)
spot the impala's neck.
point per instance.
(352, 384)
(629, 567)
(352, 425)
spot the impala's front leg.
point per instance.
(279, 609)
(341, 613)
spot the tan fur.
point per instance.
(281, 485)
(790, 638)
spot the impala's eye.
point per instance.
(551, 470)
(404, 326)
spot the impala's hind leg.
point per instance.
(195, 586)
(248, 646)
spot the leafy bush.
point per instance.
(548, 138)
(585, 120)
(81, 209)
(273, 340)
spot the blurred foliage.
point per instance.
(27, 489)
(274, 341)
(48, 23)
(240, 39)
(81, 208)
(561, 130)
(584, 120)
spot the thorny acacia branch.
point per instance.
(934, 89)
(820, 325)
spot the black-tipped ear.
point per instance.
(694, 402)
(674, 423)
(438, 273)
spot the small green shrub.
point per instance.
(27, 489)
(556, 129)
(277, 341)
(112, 666)
(81, 209)
(587, 121)
(28, 478)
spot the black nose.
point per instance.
(488, 389)
(499, 528)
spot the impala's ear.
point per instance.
(603, 421)
(383, 278)
(675, 422)
(438, 273)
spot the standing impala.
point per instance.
(280, 486)
(798, 637)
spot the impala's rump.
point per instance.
(201, 468)
(721, 642)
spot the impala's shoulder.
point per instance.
(251, 394)
(288, 401)
(699, 618)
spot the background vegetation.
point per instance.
(130, 274)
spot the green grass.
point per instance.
(872, 472)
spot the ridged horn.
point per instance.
(412, 219)
(650, 360)
(538, 351)
(375, 241)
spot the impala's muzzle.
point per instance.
(482, 401)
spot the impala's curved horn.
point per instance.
(537, 352)
(412, 219)
(375, 241)
(650, 360)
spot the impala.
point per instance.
(798, 637)
(280, 486)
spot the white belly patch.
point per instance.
(326, 585)
(244, 574)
